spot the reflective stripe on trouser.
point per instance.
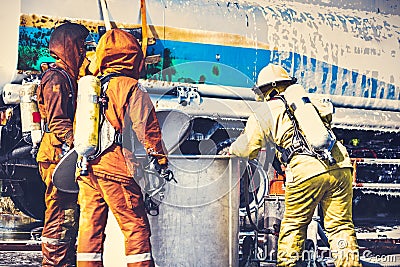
(125, 201)
(334, 191)
(60, 223)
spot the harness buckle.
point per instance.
(118, 138)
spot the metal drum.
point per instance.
(198, 223)
(198, 220)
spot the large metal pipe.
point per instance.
(220, 91)
(243, 93)
(362, 102)
(343, 118)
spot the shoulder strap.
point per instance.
(110, 134)
(104, 86)
(65, 74)
(106, 79)
(71, 102)
(299, 143)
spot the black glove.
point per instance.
(166, 173)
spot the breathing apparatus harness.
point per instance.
(71, 98)
(104, 126)
(155, 176)
(71, 103)
(103, 101)
(299, 144)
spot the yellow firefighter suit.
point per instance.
(110, 183)
(313, 182)
(56, 97)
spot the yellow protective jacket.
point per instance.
(128, 105)
(55, 102)
(270, 123)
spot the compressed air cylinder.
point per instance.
(87, 116)
(11, 93)
(30, 116)
(308, 119)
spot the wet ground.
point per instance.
(20, 258)
(19, 228)
(381, 238)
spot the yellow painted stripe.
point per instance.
(33, 20)
(158, 32)
(210, 37)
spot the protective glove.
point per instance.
(156, 176)
(166, 173)
(224, 151)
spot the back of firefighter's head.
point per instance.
(67, 45)
(119, 51)
(272, 80)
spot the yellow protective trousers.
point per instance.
(96, 196)
(60, 223)
(334, 191)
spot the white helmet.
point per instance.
(272, 80)
(272, 74)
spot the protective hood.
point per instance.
(65, 45)
(119, 51)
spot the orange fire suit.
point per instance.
(55, 96)
(311, 181)
(110, 183)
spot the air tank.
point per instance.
(317, 135)
(30, 116)
(11, 93)
(87, 118)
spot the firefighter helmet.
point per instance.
(270, 77)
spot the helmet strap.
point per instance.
(273, 93)
(271, 89)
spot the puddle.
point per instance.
(17, 227)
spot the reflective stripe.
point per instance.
(54, 241)
(89, 256)
(138, 257)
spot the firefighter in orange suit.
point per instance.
(310, 180)
(110, 183)
(56, 101)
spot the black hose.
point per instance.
(322, 235)
(246, 198)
